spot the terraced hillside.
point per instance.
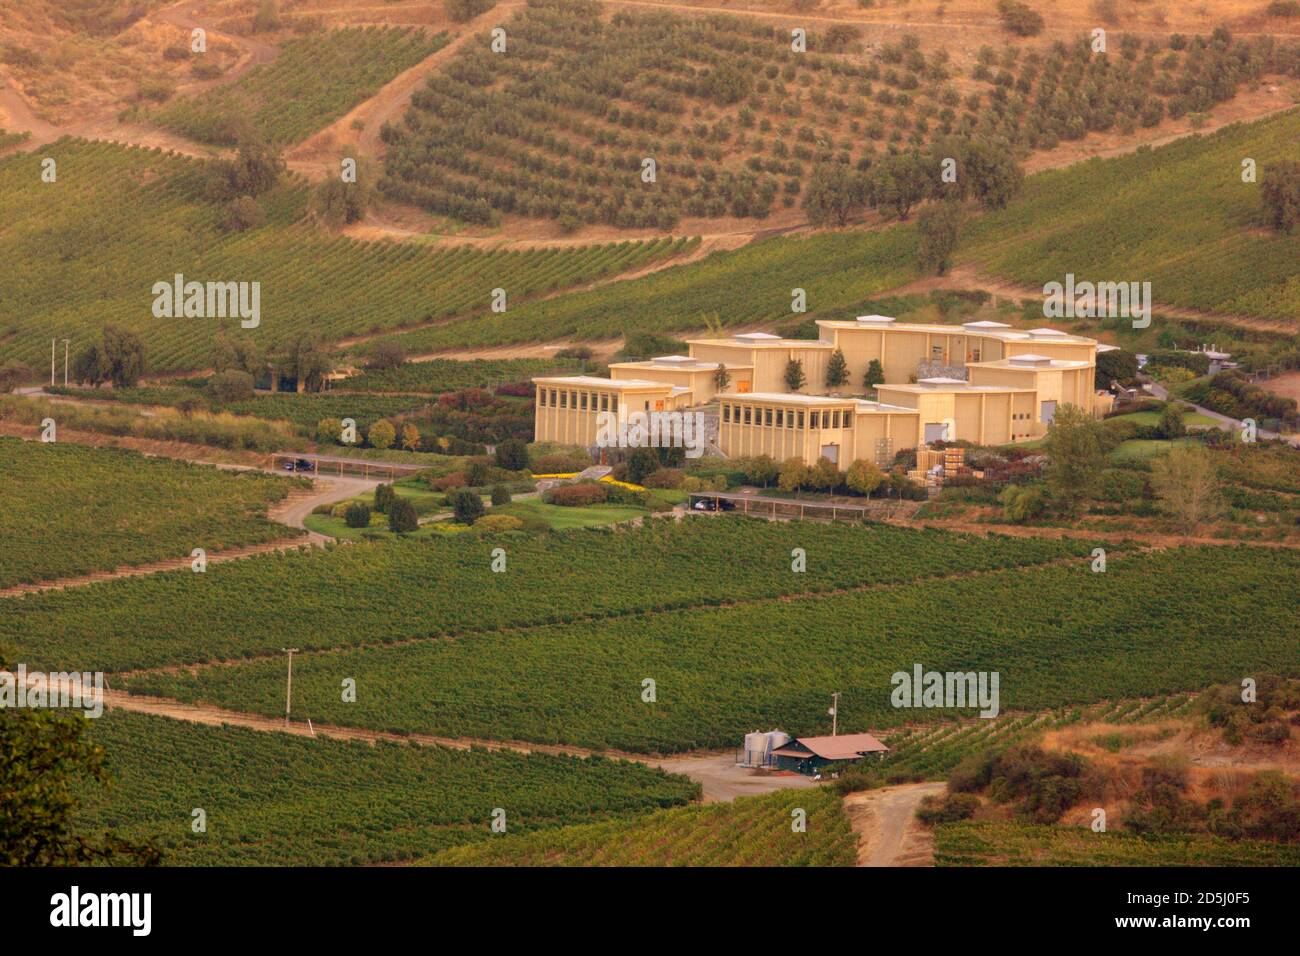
(322, 802)
(95, 509)
(312, 81)
(752, 831)
(88, 249)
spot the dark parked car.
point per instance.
(299, 464)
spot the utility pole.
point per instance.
(835, 713)
(288, 697)
(65, 363)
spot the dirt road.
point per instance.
(723, 781)
(885, 822)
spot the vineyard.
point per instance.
(381, 593)
(87, 250)
(312, 82)
(60, 518)
(750, 286)
(752, 831)
(735, 120)
(1200, 247)
(303, 411)
(219, 431)
(322, 802)
(1154, 623)
(1025, 844)
(448, 375)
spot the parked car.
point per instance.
(714, 504)
(299, 464)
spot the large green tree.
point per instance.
(1076, 457)
(46, 763)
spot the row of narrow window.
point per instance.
(783, 417)
(582, 401)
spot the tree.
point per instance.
(230, 386)
(500, 495)
(834, 193)
(642, 463)
(794, 475)
(512, 454)
(336, 202)
(329, 431)
(1281, 192)
(386, 354)
(794, 377)
(863, 477)
(897, 183)
(88, 367)
(464, 10)
(1171, 421)
(938, 224)
(476, 473)
(1020, 18)
(402, 518)
(255, 170)
(305, 359)
(466, 505)
(1076, 459)
(824, 476)
(382, 434)
(721, 378)
(239, 354)
(1022, 503)
(244, 213)
(12, 376)
(385, 495)
(48, 763)
(1118, 365)
(837, 370)
(410, 437)
(875, 374)
(761, 470)
(1186, 481)
(357, 515)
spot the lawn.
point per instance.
(561, 517)
(1152, 419)
(425, 501)
(1140, 449)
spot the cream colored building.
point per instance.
(982, 382)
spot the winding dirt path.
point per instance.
(885, 821)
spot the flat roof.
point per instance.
(952, 388)
(795, 398)
(592, 381)
(1005, 334)
(772, 342)
(1031, 363)
(684, 363)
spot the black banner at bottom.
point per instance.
(143, 907)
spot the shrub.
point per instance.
(402, 517)
(466, 506)
(1020, 18)
(947, 809)
(382, 434)
(512, 455)
(357, 515)
(498, 523)
(464, 10)
(664, 478)
(500, 495)
(329, 430)
(579, 495)
(231, 385)
(386, 354)
(447, 482)
(385, 495)
(1022, 502)
(640, 464)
